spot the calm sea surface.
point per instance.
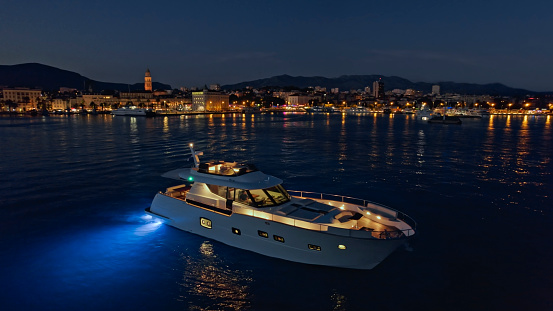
(73, 235)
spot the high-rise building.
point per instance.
(148, 81)
(435, 89)
(378, 89)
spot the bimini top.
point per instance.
(229, 174)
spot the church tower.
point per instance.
(148, 81)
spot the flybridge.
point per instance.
(226, 168)
(220, 167)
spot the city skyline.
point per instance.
(194, 44)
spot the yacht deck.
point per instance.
(308, 213)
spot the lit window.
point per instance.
(341, 246)
(278, 238)
(236, 231)
(262, 233)
(206, 223)
(314, 247)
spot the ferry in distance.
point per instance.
(236, 204)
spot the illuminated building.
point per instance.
(209, 101)
(378, 89)
(148, 81)
(25, 98)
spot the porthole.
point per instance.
(341, 246)
(206, 223)
(236, 231)
(262, 233)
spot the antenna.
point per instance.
(195, 155)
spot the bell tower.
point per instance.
(148, 81)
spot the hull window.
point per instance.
(206, 223)
(236, 231)
(278, 238)
(262, 233)
(314, 247)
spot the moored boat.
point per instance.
(238, 205)
(445, 119)
(133, 111)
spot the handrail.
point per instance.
(380, 235)
(365, 203)
(387, 235)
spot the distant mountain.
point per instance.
(355, 82)
(34, 75)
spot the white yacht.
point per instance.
(132, 111)
(238, 205)
(359, 111)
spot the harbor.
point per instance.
(91, 246)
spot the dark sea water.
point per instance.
(73, 235)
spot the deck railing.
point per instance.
(363, 204)
(360, 202)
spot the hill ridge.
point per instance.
(36, 75)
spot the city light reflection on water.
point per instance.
(74, 236)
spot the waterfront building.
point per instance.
(210, 101)
(136, 95)
(298, 100)
(59, 104)
(148, 81)
(25, 98)
(95, 100)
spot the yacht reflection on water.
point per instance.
(207, 276)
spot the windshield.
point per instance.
(272, 196)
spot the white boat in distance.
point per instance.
(240, 206)
(359, 111)
(132, 111)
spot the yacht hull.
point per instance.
(272, 238)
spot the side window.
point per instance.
(213, 188)
(243, 196)
(218, 190)
(222, 191)
(260, 198)
(230, 193)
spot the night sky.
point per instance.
(192, 43)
